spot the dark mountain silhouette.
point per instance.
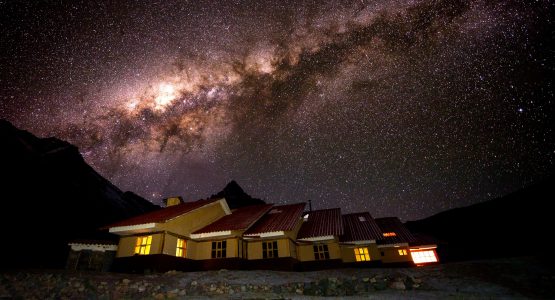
(517, 224)
(236, 197)
(48, 196)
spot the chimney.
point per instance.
(310, 205)
(171, 201)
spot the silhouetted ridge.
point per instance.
(516, 224)
(236, 197)
(49, 195)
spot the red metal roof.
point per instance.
(239, 219)
(393, 224)
(360, 227)
(279, 218)
(323, 222)
(164, 214)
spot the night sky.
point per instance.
(400, 108)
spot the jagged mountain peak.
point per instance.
(236, 196)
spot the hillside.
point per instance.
(516, 224)
(49, 195)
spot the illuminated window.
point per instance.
(361, 254)
(402, 251)
(426, 256)
(181, 250)
(219, 249)
(321, 252)
(388, 234)
(143, 245)
(269, 249)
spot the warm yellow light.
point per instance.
(181, 250)
(143, 245)
(426, 256)
(361, 254)
(388, 234)
(402, 251)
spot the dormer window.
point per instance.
(362, 219)
(305, 218)
(389, 234)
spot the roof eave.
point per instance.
(205, 235)
(138, 228)
(265, 234)
(317, 238)
(362, 242)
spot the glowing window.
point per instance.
(181, 250)
(143, 245)
(388, 234)
(402, 252)
(219, 249)
(269, 249)
(425, 256)
(361, 254)
(321, 252)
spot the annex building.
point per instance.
(208, 235)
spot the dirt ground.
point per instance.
(515, 278)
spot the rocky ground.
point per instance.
(503, 278)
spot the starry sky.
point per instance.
(397, 107)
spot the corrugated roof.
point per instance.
(279, 218)
(164, 214)
(239, 219)
(320, 223)
(360, 227)
(393, 224)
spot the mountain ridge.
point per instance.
(235, 196)
(53, 196)
(511, 225)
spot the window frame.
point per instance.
(362, 254)
(270, 249)
(219, 249)
(424, 256)
(143, 245)
(181, 248)
(321, 252)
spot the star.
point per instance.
(400, 108)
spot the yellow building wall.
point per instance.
(203, 249)
(391, 255)
(305, 252)
(187, 223)
(348, 252)
(170, 245)
(127, 244)
(182, 226)
(284, 248)
(293, 249)
(293, 233)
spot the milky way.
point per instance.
(399, 108)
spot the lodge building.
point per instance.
(208, 235)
